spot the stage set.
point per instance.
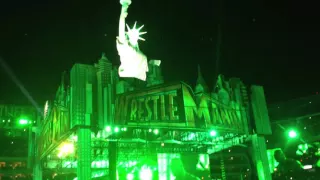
(125, 123)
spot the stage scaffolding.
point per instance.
(118, 147)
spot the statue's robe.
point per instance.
(133, 62)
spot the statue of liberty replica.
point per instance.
(133, 62)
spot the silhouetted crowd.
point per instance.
(291, 169)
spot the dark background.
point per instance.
(271, 43)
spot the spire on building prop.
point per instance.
(201, 86)
(104, 57)
(61, 92)
(222, 90)
(104, 69)
(102, 62)
(63, 76)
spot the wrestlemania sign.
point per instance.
(176, 106)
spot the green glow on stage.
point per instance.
(145, 173)
(23, 121)
(292, 134)
(65, 149)
(108, 129)
(156, 131)
(213, 133)
(130, 176)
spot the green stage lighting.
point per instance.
(213, 133)
(292, 134)
(108, 128)
(130, 176)
(23, 121)
(145, 173)
(156, 131)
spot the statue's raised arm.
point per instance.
(133, 61)
(122, 21)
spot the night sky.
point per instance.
(271, 43)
